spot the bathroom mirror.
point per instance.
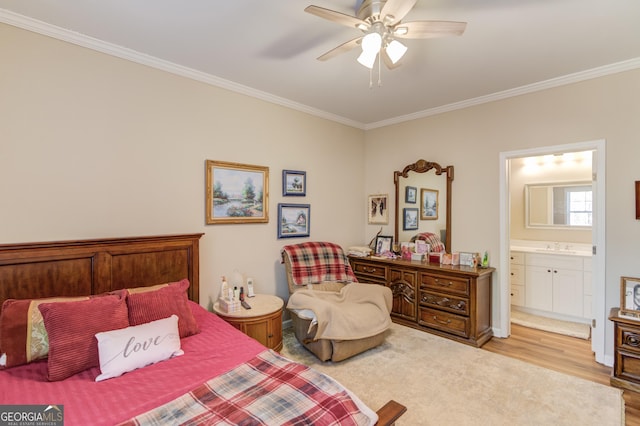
(559, 205)
(423, 201)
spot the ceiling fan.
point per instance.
(381, 24)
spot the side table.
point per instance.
(262, 322)
(626, 364)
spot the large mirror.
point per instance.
(559, 205)
(423, 201)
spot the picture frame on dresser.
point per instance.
(630, 297)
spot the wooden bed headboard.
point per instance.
(83, 267)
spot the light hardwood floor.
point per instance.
(565, 354)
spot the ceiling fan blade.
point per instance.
(344, 47)
(429, 29)
(396, 10)
(387, 60)
(337, 17)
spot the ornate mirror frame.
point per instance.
(423, 166)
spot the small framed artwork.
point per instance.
(630, 296)
(236, 193)
(293, 220)
(410, 194)
(409, 219)
(428, 204)
(294, 182)
(383, 244)
(379, 208)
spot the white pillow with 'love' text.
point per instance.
(130, 348)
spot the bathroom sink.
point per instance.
(558, 251)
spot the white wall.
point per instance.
(93, 146)
(472, 140)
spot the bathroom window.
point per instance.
(579, 201)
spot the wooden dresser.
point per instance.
(450, 301)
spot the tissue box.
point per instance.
(229, 307)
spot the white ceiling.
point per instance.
(268, 48)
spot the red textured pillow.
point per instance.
(23, 338)
(162, 303)
(72, 327)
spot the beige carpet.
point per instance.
(443, 382)
(574, 329)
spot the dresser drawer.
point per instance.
(449, 303)
(444, 321)
(627, 366)
(368, 269)
(445, 284)
(629, 339)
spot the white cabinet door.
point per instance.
(568, 292)
(539, 288)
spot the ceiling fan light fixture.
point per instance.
(371, 44)
(367, 59)
(396, 50)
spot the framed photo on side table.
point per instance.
(630, 297)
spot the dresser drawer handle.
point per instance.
(447, 322)
(365, 269)
(632, 340)
(446, 284)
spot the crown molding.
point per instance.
(522, 90)
(83, 40)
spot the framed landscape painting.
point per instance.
(236, 193)
(428, 204)
(294, 182)
(293, 220)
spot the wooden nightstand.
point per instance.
(626, 364)
(263, 321)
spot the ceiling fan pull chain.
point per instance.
(371, 78)
(380, 69)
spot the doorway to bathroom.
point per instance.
(552, 239)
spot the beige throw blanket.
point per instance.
(357, 311)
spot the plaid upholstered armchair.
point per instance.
(333, 315)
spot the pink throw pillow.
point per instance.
(72, 327)
(162, 303)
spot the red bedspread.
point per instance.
(215, 350)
